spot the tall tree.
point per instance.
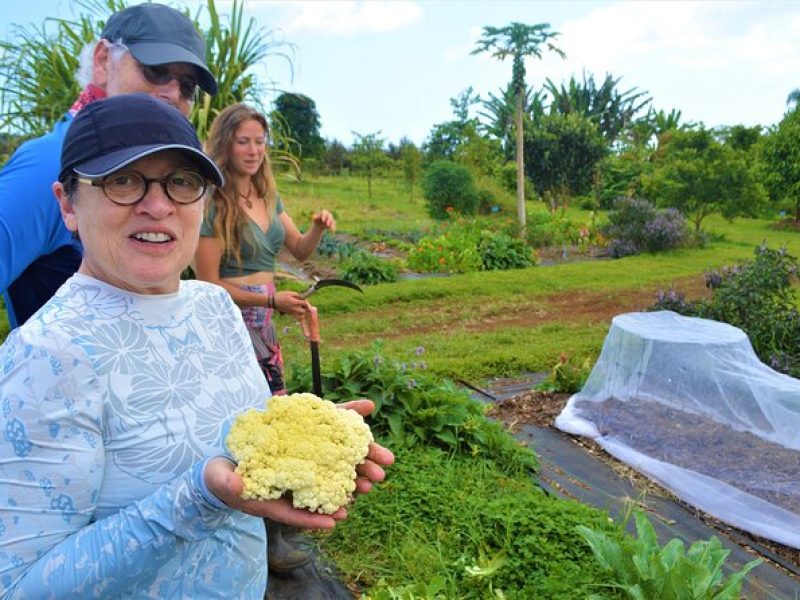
(562, 156)
(518, 41)
(781, 161)
(297, 115)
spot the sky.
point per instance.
(391, 67)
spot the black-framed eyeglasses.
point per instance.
(129, 187)
(162, 75)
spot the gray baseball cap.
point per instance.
(157, 34)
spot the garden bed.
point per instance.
(739, 458)
(541, 408)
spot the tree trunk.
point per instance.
(520, 167)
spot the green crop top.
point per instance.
(255, 257)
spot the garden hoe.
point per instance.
(310, 325)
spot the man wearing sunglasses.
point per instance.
(148, 48)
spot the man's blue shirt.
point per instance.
(37, 252)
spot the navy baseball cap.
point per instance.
(110, 134)
(156, 34)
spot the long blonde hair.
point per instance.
(230, 221)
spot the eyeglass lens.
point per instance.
(128, 187)
(162, 75)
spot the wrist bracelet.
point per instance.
(271, 301)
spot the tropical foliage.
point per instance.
(39, 64)
(612, 110)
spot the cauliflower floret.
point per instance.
(303, 445)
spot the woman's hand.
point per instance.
(290, 303)
(370, 471)
(324, 220)
(222, 481)
(227, 485)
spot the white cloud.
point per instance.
(462, 50)
(347, 17)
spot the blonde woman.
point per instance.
(246, 225)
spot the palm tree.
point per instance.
(518, 41)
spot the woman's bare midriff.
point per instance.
(260, 278)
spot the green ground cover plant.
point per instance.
(460, 529)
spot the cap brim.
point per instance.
(114, 161)
(161, 53)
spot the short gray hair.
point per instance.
(86, 59)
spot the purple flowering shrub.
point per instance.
(636, 226)
(757, 297)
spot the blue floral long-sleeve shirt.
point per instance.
(111, 404)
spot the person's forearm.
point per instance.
(308, 242)
(110, 555)
(242, 298)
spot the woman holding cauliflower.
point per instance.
(117, 394)
(245, 227)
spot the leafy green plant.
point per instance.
(499, 251)
(362, 267)
(414, 409)
(449, 186)
(451, 252)
(565, 376)
(643, 570)
(557, 228)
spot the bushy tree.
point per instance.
(297, 116)
(781, 161)
(561, 156)
(449, 186)
(698, 175)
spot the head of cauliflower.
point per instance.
(303, 445)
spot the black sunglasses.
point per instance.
(162, 75)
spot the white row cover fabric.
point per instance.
(688, 403)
